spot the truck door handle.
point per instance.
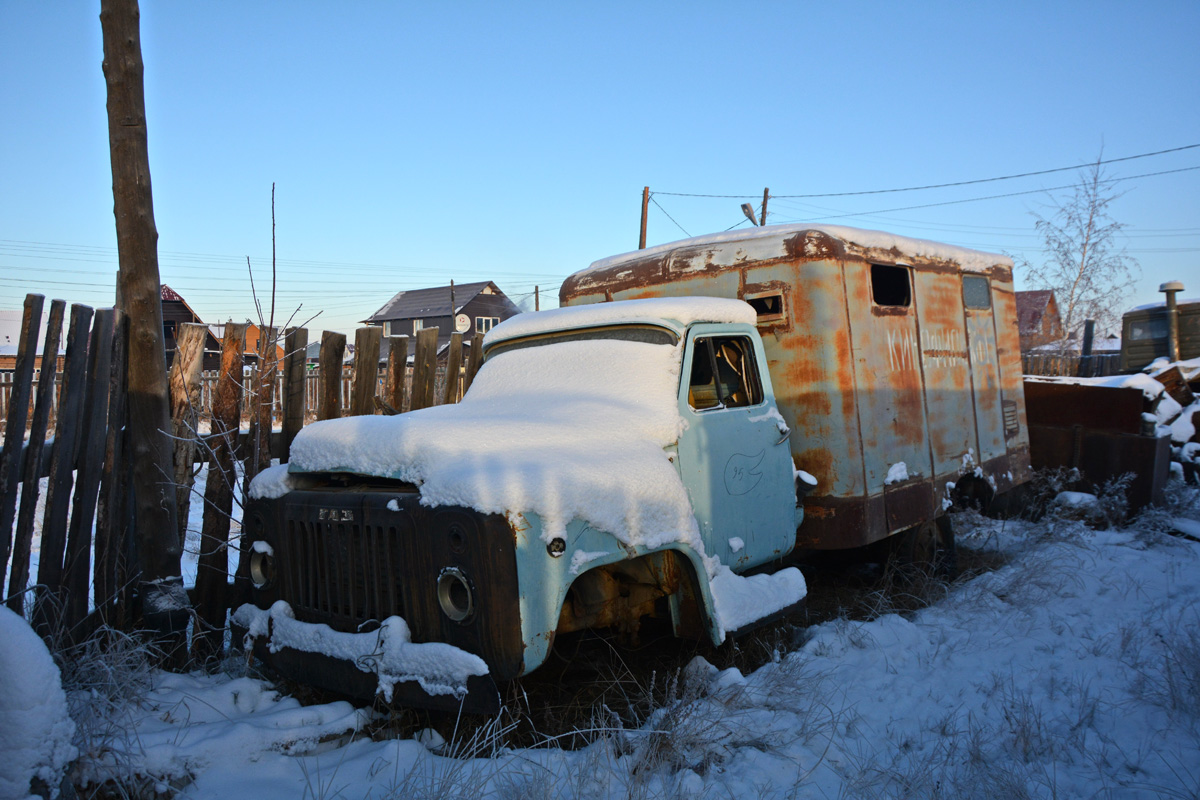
(786, 434)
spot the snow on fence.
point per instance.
(87, 527)
(1070, 365)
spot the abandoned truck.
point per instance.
(619, 460)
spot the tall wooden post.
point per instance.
(763, 219)
(397, 368)
(164, 601)
(366, 370)
(295, 364)
(329, 393)
(14, 432)
(183, 380)
(645, 208)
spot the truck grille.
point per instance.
(340, 573)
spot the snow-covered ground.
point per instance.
(1071, 671)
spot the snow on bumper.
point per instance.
(388, 652)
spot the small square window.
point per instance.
(976, 292)
(768, 306)
(485, 324)
(890, 286)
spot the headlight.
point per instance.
(456, 595)
(262, 565)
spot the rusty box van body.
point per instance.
(895, 362)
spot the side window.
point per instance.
(485, 324)
(976, 292)
(890, 286)
(768, 306)
(418, 324)
(723, 374)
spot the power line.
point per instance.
(936, 185)
(660, 208)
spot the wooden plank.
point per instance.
(295, 359)
(184, 382)
(333, 348)
(93, 430)
(258, 456)
(14, 431)
(424, 369)
(111, 513)
(474, 361)
(48, 601)
(366, 370)
(212, 571)
(453, 368)
(397, 370)
(31, 483)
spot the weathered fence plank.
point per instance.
(424, 369)
(295, 348)
(366, 370)
(31, 484)
(263, 403)
(112, 525)
(184, 383)
(397, 371)
(62, 465)
(333, 348)
(474, 361)
(212, 571)
(77, 567)
(14, 432)
(453, 368)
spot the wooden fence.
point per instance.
(1070, 365)
(235, 418)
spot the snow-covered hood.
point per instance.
(566, 430)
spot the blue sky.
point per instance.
(412, 144)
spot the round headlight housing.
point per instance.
(262, 568)
(456, 595)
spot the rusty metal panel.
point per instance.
(887, 378)
(812, 372)
(1008, 356)
(985, 380)
(947, 370)
(1101, 408)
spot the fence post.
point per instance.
(295, 361)
(366, 370)
(31, 484)
(77, 568)
(14, 432)
(111, 528)
(212, 571)
(262, 411)
(453, 368)
(47, 605)
(474, 361)
(424, 369)
(329, 400)
(397, 368)
(183, 382)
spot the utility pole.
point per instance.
(645, 207)
(763, 218)
(151, 453)
(537, 306)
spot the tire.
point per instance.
(928, 549)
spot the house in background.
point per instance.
(253, 333)
(10, 338)
(176, 312)
(478, 307)
(1038, 320)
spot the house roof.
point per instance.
(432, 302)
(169, 295)
(1031, 306)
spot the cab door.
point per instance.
(734, 456)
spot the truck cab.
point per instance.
(609, 463)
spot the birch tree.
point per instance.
(1085, 263)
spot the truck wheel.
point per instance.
(929, 549)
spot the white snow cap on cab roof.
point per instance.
(971, 260)
(684, 310)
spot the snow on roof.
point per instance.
(973, 260)
(1163, 304)
(573, 430)
(432, 302)
(682, 310)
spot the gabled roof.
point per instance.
(169, 295)
(1031, 306)
(433, 302)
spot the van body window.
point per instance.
(890, 286)
(976, 292)
(723, 374)
(768, 306)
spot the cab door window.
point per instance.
(723, 373)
